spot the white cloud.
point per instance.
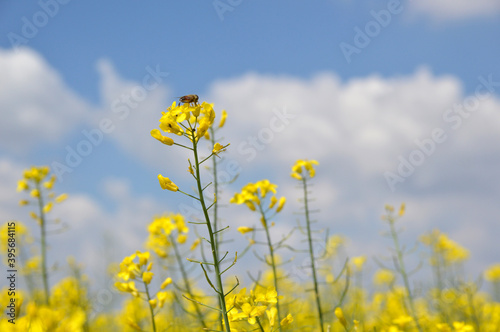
(36, 105)
(357, 130)
(455, 9)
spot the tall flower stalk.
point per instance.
(399, 259)
(35, 181)
(211, 136)
(302, 170)
(253, 196)
(137, 267)
(161, 239)
(192, 120)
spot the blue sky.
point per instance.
(260, 60)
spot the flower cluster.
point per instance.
(253, 193)
(444, 250)
(35, 180)
(137, 267)
(161, 233)
(191, 120)
(301, 167)
(185, 119)
(493, 273)
(252, 307)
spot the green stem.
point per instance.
(150, 307)
(43, 244)
(472, 308)
(311, 253)
(260, 324)
(187, 284)
(402, 271)
(213, 243)
(27, 276)
(273, 262)
(216, 190)
(439, 286)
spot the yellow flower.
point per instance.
(169, 125)
(252, 311)
(252, 193)
(153, 303)
(48, 207)
(402, 210)
(443, 327)
(49, 184)
(23, 202)
(162, 297)
(384, 277)
(165, 183)
(271, 315)
(127, 287)
(195, 244)
(359, 262)
(306, 165)
(147, 277)
(22, 185)
(36, 174)
(35, 193)
(61, 198)
(403, 320)
(340, 315)
(244, 229)
(462, 327)
(181, 238)
(267, 296)
(217, 148)
(143, 257)
(493, 273)
(281, 204)
(223, 118)
(287, 320)
(274, 200)
(166, 282)
(164, 139)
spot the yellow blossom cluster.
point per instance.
(302, 167)
(444, 250)
(252, 307)
(253, 193)
(137, 267)
(185, 119)
(161, 232)
(35, 180)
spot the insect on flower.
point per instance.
(189, 99)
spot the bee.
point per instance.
(189, 99)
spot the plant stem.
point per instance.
(273, 262)
(311, 253)
(402, 271)
(260, 324)
(43, 244)
(216, 191)
(150, 307)
(213, 241)
(187, 284)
